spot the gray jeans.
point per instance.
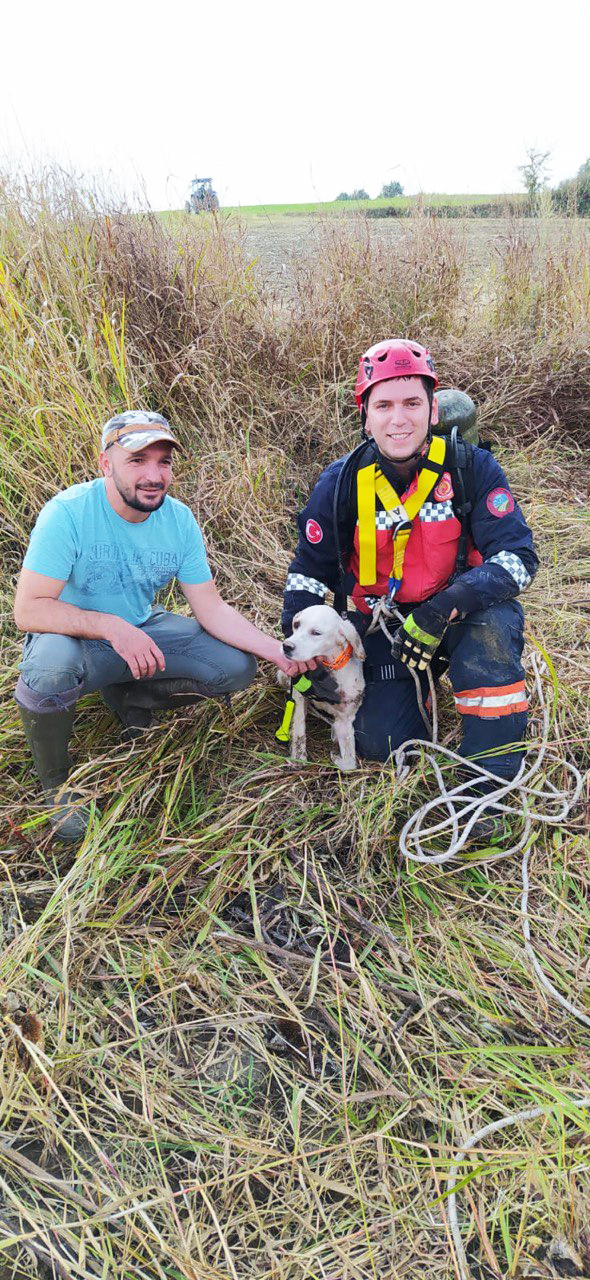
(57, 670)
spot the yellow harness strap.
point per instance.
(370, 483)
(365, 488)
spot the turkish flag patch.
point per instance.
(313, 531)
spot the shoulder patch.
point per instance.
(444, 488)
(313, 531)
(500, 502)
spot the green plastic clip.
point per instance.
(282, 733)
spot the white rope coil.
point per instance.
(515, 1117)
(528, 797)
(538, 800)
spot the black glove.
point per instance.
(319, 684)
(416, 642)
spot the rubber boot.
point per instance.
(491, 828)
(135, 701)
(48, 735)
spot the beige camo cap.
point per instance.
(136, 429)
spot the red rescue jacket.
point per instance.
(431, 552)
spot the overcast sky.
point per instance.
(296, 102)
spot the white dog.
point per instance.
(317, 631)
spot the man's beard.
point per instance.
(408, 464)
(134, 501)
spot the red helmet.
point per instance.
(394, 358)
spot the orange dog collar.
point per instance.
(340, 661)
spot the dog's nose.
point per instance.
(288, 647)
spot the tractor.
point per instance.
(202, 197)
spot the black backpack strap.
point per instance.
(460, 460)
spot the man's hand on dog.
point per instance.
(323, 686)
(294, 669)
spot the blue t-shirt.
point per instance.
(110, 564)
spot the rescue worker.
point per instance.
(381, 524)
(97, 555)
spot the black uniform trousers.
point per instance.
(484, 654)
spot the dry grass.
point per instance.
(238, 1038)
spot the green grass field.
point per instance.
(431, 201)
(427, 200)
(240, 1036)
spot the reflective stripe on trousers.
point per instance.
(484, 656)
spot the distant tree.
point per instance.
(533, 172)
(391, 189)
(358, 194)
(573, 195)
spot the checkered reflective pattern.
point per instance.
(514, 566)
(385, 519)
(433, 512)
(299, 582)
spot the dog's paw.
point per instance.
(346, 764)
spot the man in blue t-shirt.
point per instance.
(98, 554)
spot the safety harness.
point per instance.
(451, 451)
(372, 484)
(458, 457)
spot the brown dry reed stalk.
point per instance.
(261, 1038)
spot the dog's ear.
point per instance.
(351, 635)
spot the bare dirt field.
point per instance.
(276, 244)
